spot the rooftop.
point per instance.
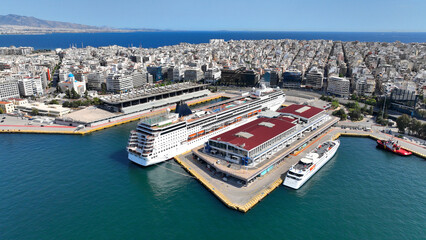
(150, 92)
(251, 135)
(303, 111)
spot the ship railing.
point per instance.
(147, 147)
(133, 151)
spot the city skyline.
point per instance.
(274, 15)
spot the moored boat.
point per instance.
(392, 146)
(302, 171)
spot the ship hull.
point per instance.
(184, 147)
(400, 152)
(296, 184)
(188, 145)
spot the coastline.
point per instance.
(72, 130)
(219, 192)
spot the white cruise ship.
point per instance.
(302, 171)
(165, 136)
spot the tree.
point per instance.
(68, 93)
(74, 94)
(370, 111)
(66, 104)
(34, 111)
(1, 111)
(423, 132)
(54, 101)
(402, 122)
(414, 126)
(86, 93)
(334, 104)
(103, 88)
(97, 101)
(371, 102)
(356, 114)
(340, 113)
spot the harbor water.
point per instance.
(164, 38)
(83, 187)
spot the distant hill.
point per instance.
(16, 24)
(16, 20)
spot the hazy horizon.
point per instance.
(238, 15)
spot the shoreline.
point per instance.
(44, 130)
(208, 182)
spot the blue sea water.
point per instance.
(158, 39)
(83, 187)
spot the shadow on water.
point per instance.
(120, 156)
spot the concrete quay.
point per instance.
(242, 198)
(17, 125)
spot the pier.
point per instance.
(244, 197)
(22, 127)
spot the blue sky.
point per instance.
(265, 15)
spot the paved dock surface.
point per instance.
(13, 124)
(242, 198)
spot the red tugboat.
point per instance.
(392, 146)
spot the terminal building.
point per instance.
(256, 142)
(304, 113)
(152, 98)
(246, 144)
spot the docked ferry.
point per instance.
(302, 171)
(393, 146)
(169, 134)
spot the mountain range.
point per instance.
(16, 24)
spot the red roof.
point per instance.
(260, 133)
(2, 102)
(303, 111)
(288, 119)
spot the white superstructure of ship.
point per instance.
(302, 171)
(167, 135)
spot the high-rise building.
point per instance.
(239, 77)
(139, 79)
(314, 78)
(271, 78)
(37, 86)
(156, 72)
(338, 86)
(26, 87)
(212, 75)
(193, 75)
(365, 86)
(292, 79)
(9, 89)
(95, 80)
(177, 75)
(119, 83)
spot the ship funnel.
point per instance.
(182, 109)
